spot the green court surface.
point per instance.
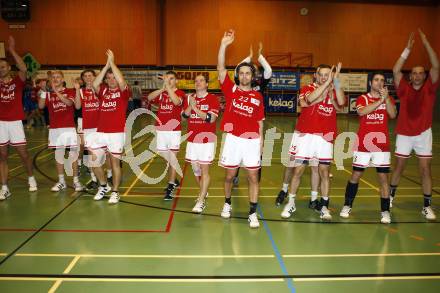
(66, 242)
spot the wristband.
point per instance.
(336, 83)
(405, 53)
(208, 117)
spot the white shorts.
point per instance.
(168, 141)
(202, 153)
(79, 127)
(90, 135)
(310, 148)
(421, 144)
(371, 159)
(11, 132)
(63, 138)
(241, 151)
(111, 142)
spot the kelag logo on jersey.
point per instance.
(288, 81)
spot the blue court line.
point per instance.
(277, 252)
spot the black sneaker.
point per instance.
(280, 198)
(315, 205)
(176, 184)
(169, 192)
(92, 185)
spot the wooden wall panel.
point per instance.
(360, 35)
(79, 32)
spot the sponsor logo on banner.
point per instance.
(185, 78)
(280, 103)
(284, 81)
(354, 82)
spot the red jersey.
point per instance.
(373, 131)
(168, 114)
(112, 109)
(202, 131)
(11, 100)
(90, 108)
(416, 106)
(60, 115)
(243, 110)
(319, 119)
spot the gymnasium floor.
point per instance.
(67, 242)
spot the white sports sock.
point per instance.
(61, 179)
(313, 195)
(93, 176)
(109, 173)
(75, 179)
(79, 162)
(285, 187)
(5, 187)
(324, 197)
(292, 196)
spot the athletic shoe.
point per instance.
(169, 192)
(345, 212)
(199, 207)
(4, 194)
(385, 217)
(325, 213)
(33, 185)
(92, 184)
(235, 181)
(176, 184)
(391, 201)
(226, 212)
(114, 197)
(289, 209)
(110, 180)
(78, 186)
(58, 186)
(428, 213)
(280, 198)
(315, 205)
(253, 221)
(101, 192)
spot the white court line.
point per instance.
(367, 278)
(66, 271)
(360, 255)
(145, 255)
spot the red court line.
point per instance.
(170, 219)
(81, 230)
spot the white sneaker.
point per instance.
(4, 194)
(325, 214)
(199, 207)
(428, 213)
(391, 201)
(101, 192)
(58, 186)
(253, 221)
(385, 217)
(78, 186)
(289, 209)
(114, 197)
(345, 212)
(226, 212)
(32, 185)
